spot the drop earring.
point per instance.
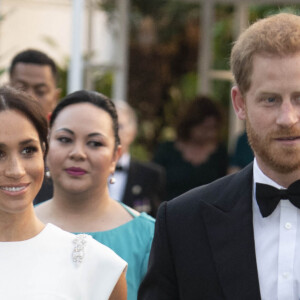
(112, 179)
(47, 173)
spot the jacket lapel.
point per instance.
(230, 232)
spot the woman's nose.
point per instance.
(78, 152)
(14, 168)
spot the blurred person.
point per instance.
(35, 73)
(42, 261)
(197, 156)
(140, 185)
(84, 147)
(242, 154)
(238, 237)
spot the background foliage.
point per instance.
(164, 38)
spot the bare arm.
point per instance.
(120, 290)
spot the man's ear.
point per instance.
(238, 103)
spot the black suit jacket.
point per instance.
(203, 246)
(145, 186)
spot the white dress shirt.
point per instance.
(277, 246)
(117, 190)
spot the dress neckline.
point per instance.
(32, 239)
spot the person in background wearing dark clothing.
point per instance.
(197, 156)
(242, 154)
(140, 185)
(35, 73)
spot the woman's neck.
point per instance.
(19, 227)
(84, 212)
(87, 202)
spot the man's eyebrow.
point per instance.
(37, 85)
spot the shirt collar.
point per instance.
(259, 176)
(124, 160)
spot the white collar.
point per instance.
(259, 176)
(124, 160)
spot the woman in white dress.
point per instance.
(41, 262)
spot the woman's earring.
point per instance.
(47, 173)
(112, 179)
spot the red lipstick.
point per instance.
(75, 171)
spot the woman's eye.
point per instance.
(64, 139)
(29, 150)
(95, 144)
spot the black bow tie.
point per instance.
(268, 197)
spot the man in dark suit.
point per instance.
(140, 185)
(238, 238)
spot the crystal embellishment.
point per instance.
(78, 252)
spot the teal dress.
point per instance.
(131, 241)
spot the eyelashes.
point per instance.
(29, 150)
(26, 152)
(67, 140)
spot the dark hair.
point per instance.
(201, 108)
(12, 99)
(94, 98)
(36, 57)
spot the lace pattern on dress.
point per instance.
(78, 252)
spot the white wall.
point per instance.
(28, 23)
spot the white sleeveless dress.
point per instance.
(57, 265)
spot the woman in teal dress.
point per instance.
(84, 147)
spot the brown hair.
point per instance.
(195, 113)
(12, 99)
(275, 35)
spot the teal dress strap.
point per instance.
(127, 208)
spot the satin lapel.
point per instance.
(231, 236)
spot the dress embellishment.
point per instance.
(78, 252)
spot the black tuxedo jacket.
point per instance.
(203, 246)
(145, 186)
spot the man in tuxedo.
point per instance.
(238, 238)
(36, 73)
(140, 185)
